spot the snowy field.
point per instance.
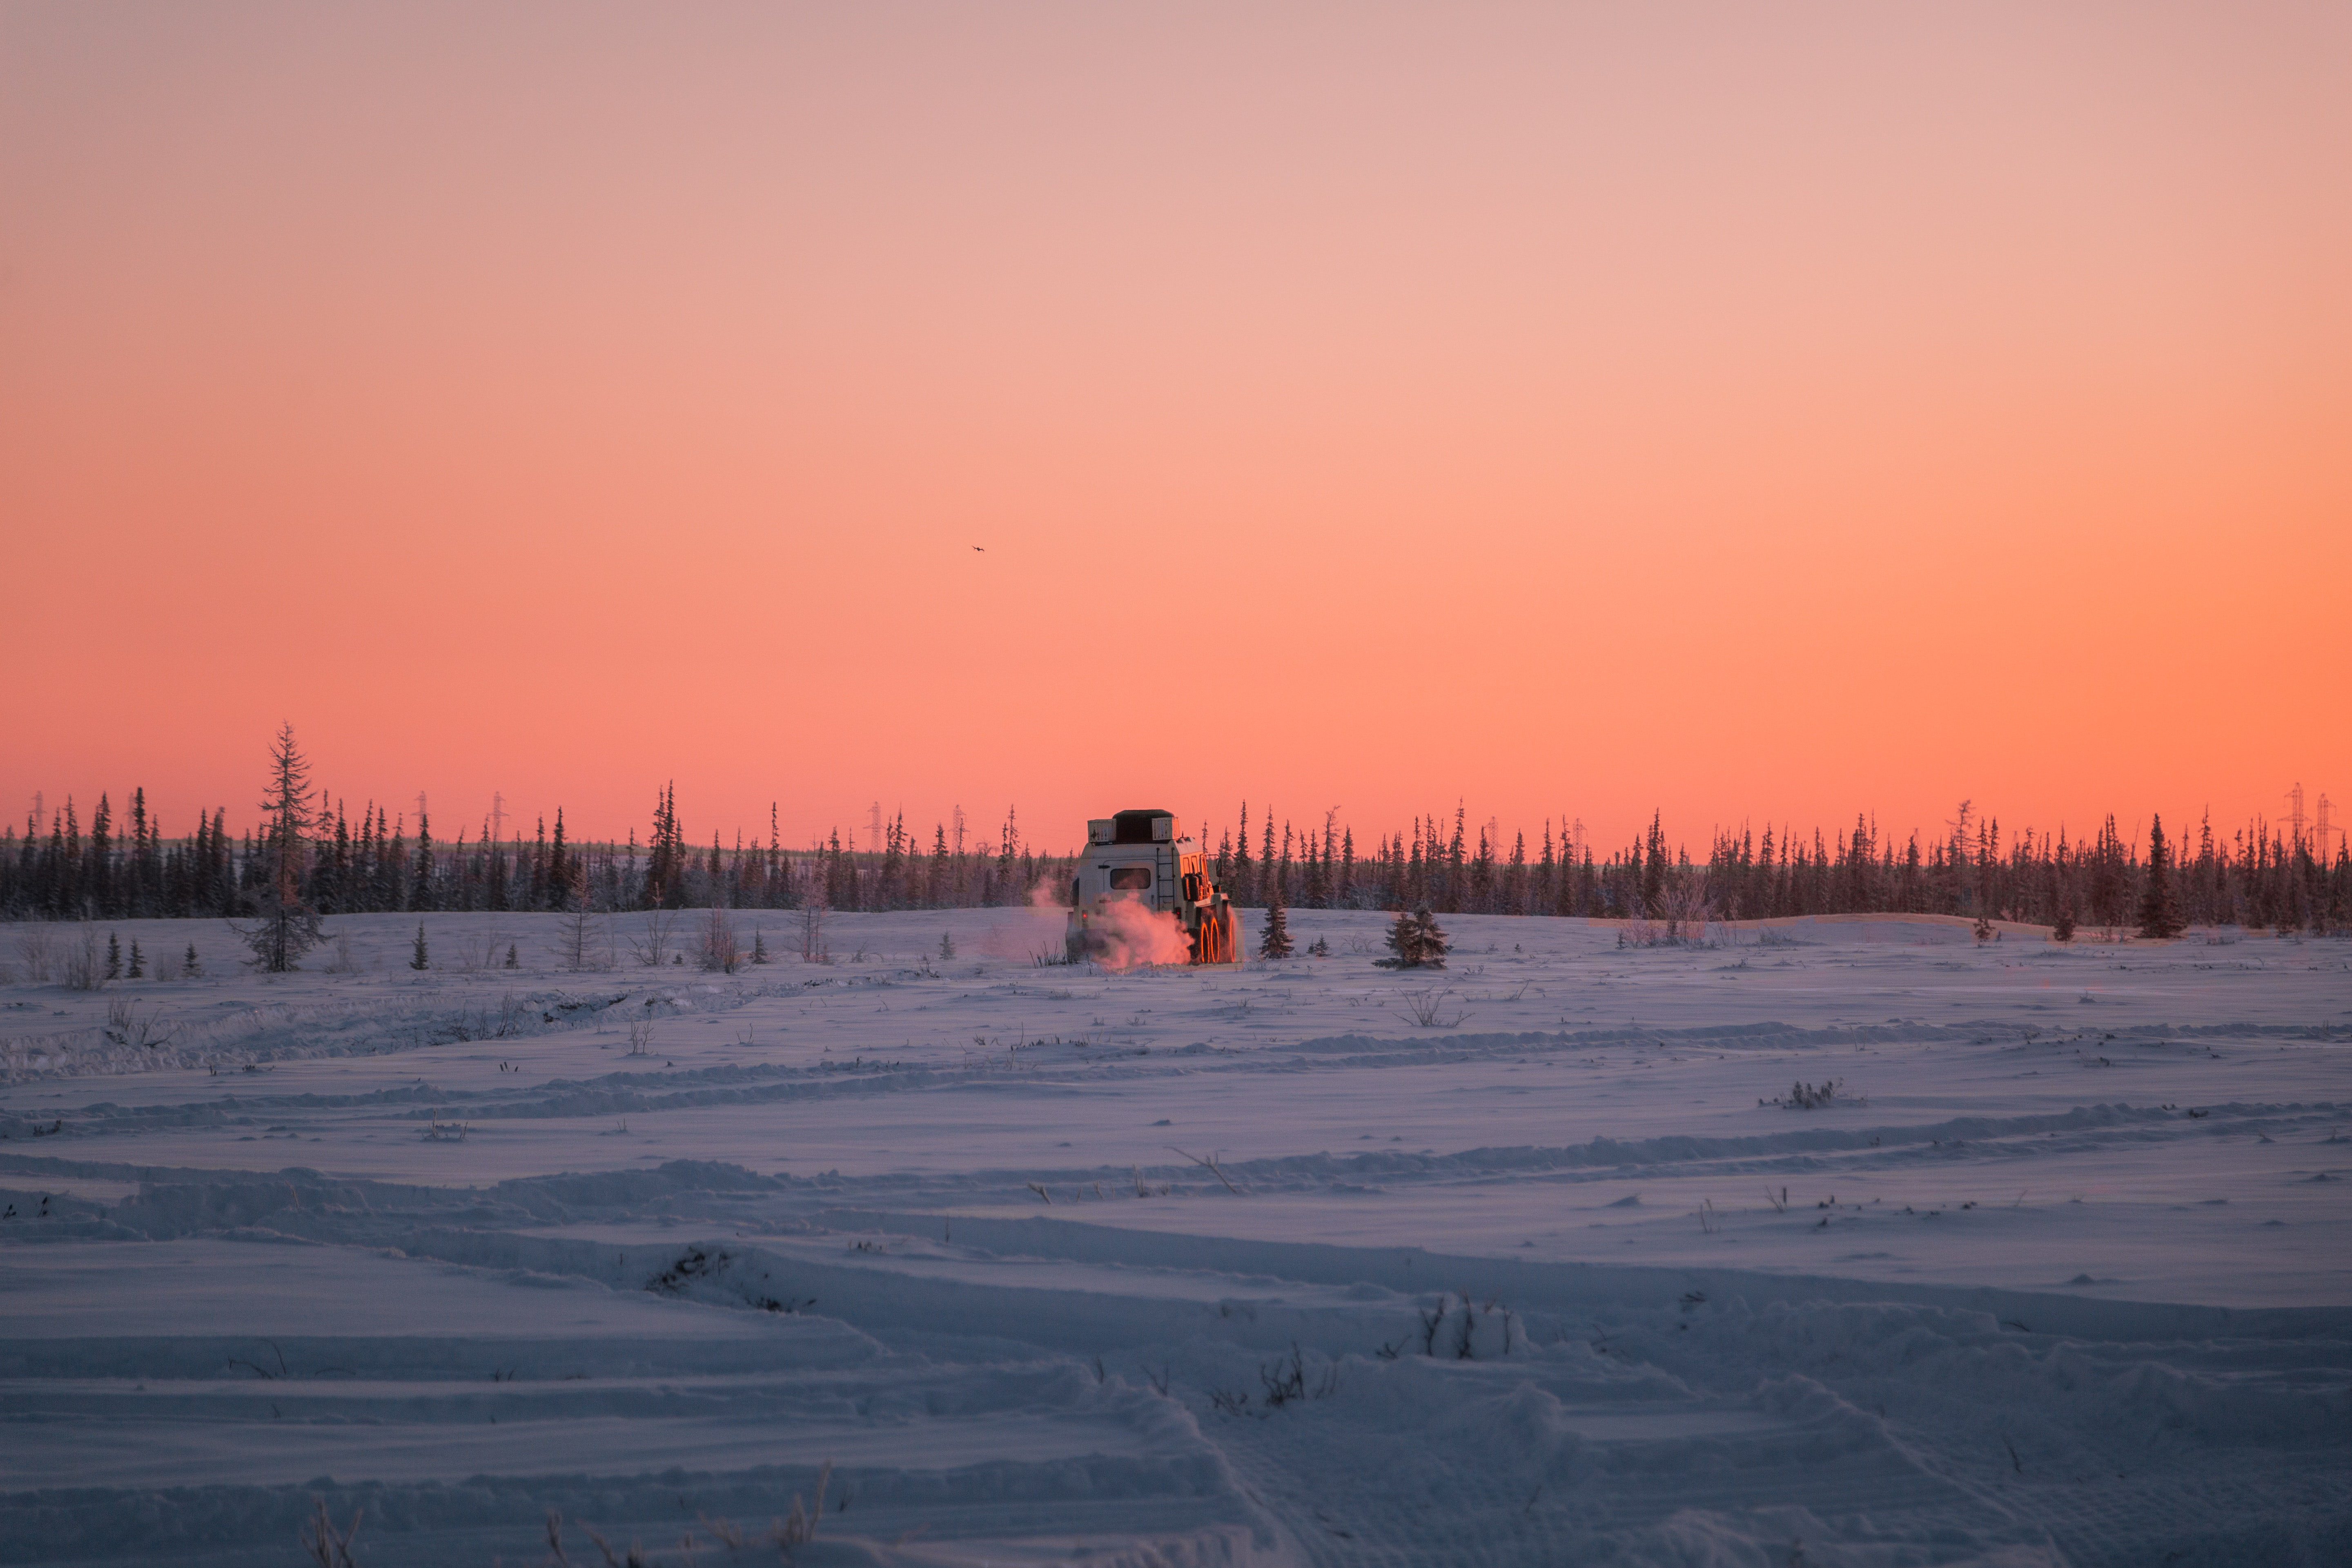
(1526, 1262)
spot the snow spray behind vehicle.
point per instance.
(1141, 896)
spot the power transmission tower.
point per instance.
(499, 814)
(2294, 798)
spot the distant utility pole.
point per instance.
(2321, 826)
(959, 829)
(41, 810)
(420, 806)
(2295, 799)
(874, 827)
(498, 814)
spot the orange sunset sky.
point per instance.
(1771, 411)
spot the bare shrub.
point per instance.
(579, 938)
(1287, 1381)
(1427, 1009)
(34, 948)
(721, 953)
(1803, 1096)
(798, 1529)
(479, 950)
(127, 1024)
(324, 1544)
(342, 963)
(813, 944)
(654, 950)
(1209, 1163)
(1464, 1329)
(1688, 908)
(641, 1035)
(85, 968)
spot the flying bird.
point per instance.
(982, 548)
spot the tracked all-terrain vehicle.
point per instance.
(1143, 859)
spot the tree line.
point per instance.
(325, 858)
(333, 861)
(2258, 876)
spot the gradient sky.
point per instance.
(1772, 412)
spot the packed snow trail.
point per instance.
(1239, 1267)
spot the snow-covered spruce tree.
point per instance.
(1429, 938)
(1417, 940)
(2159, 916)
(1275, 943)
(1404, 941)
(287, 927)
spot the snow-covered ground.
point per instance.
(1527, 1261)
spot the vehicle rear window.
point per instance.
(1130, 878)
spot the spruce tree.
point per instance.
(559, 866)
(188, 965)
(287, 926)
(1244, 890)
(138, 959)
(2159, 915)
(1429, 938)
(421, 882)
(113, 957)
(1275, 943)
(420, 960)
(1404, 941)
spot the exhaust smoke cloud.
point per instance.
(1127, 935)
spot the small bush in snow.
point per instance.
(1803, 1096)
(1427, 1009)
(1461, 1329)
